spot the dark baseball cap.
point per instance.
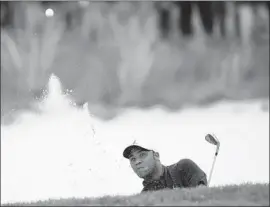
(129, 149)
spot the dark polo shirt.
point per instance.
(183, 174)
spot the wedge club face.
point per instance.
(212, 139)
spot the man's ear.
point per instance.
(156, 155)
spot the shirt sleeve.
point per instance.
(190, 173)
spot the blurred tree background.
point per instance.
(140, 54)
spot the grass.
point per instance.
(120, 61)
(230, 195)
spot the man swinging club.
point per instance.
(147, 165)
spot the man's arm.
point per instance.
(191, 174)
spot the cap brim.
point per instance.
(129, 149)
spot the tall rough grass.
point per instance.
(246, 194)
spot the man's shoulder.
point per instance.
(185, 162)
(178, 171)
(186, 165)
(186, 173)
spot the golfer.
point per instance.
(147, 165)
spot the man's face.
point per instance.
(143, 163)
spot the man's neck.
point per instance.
(159, 171)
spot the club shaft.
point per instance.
(212, 168)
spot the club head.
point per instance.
(212, 139)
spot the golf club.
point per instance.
(212, 139)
